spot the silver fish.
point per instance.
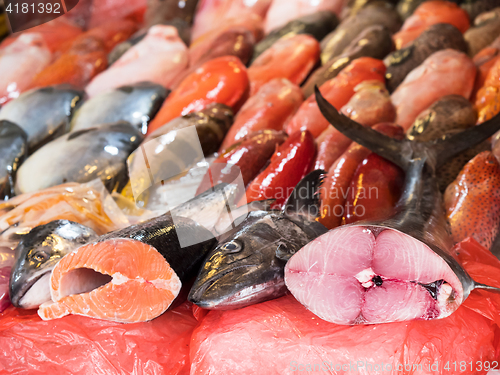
(36, 256)
(13, 151)
(136, 104)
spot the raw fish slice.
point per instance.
(430, 13)
(160, 57)
(211, 13)
(292, 58)
(338, 91)
(20, 62)
(445, 72)
(274, 103)
(282, 11)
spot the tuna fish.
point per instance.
(399, 269)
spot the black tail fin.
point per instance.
(304, 199)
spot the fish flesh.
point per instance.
(445, 72)
(374, 41)
(317, 24)
(36, 256)
(435, 38)
(130, 275)
(270, 107)
(338, 91)
(159, 11)
(377, 13)
(247, 265)
(158, 58)
(291, 57)
(485, 30)
(222, 80)
(44, 113)
(13, 151)
(136, 104)
(427, 14)
(97, 153)
(398, 269)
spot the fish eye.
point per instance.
(231, 247)
(40, 256)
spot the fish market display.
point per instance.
(158, 58)
(102, 154)
(435, 38)
(131, 275)
(247, 265)
(399, 269)
(427, 14)
(44, 114)
(13, 151)
(486, 29)
(37, 254)
(445, 72)
(136, 104)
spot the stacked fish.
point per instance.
(338, 151)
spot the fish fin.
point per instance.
(398, 152)
(486, 287)
(449, 146)
(304, 199)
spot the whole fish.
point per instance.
(247, 265)
(488, 96)
(484, 61)
(377, 13)
(374, 41)
(159, 11)
(81, 156)
(136, 104)
(317, 25)
(399, 269)
(13, 151)
(44, 114)
(36, 256)
(435, 38)
(485, 30)
(475, 7)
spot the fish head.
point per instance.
(37, 254)
(247, 265)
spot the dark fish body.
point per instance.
(13, 151)
(136, 104)
(37, 254)
(247, 266)
(44, 114)
(166, 233)
(81, 156)
(373, 41)
(435, 38)
(376, 13)
(317, 24)
(485, 30)
(159, 11)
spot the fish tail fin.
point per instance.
(396, 151)
(304, 199)
(486, 287)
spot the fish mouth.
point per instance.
(19, 290)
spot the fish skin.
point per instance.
(136, 104)
(37, 254)
(427, 14)
(475, 8)
(472, 201)
(377, 13)
(435, 38)
(44, 113)
(317, 24)
(13, 151)
(274, 103)
(374, 41)
(485, 30)
(331, 144)
(159, 11)
(433, 79)
(252, 272)
(99, 153)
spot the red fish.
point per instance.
(222, 80)
(248, 157)
(331, 144)
(337, 91)
(473, 200)
(484, 61)
(292, 58)
(334, 191)
(427, 14)
(289, 164)
(488, 97)
(269, 108)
